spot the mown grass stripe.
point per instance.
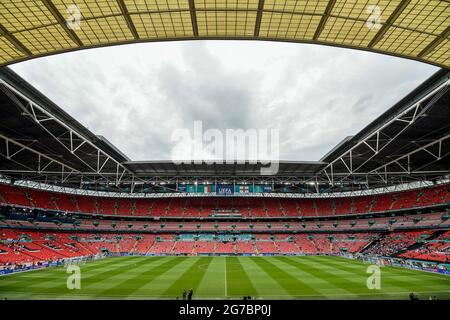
(97, 276)
(238, 282)
(315, 280)
(387, 276)
(162, 282)
(190, 279)
(49, 277)
(214, 280)
(350, 285)
(244, 277)
(51, 274)
(141, 279)
(266, 286)
(359, 265)
(288, 282)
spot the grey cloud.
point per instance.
(221, 100)
(315, 95)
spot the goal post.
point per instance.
(81, 260)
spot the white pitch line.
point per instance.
(226, 293)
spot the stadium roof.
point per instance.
(414, 29)
(40, 142)
(412, 123)
(246, 169)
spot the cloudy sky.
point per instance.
(138, 95)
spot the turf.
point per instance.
(311, 277)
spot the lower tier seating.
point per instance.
(27, 247)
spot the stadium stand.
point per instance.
(363, 214)
(185, 207)
(29, 246)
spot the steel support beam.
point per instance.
(436, 42)
(258, 18)
(127, 17)
(193, 13)
(395, 14)
(62, 22)
(324, 19)
(408, 116)
(78, 191)
(424, 148)
(14, 41)
(42, 117)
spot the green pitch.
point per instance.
(310, 277)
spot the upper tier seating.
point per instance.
(206, 206)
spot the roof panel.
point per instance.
(415, 29)
(364, 9)
(45, 39)
(156, 5)
(226, 4)
(288, 26)
(426, 16)
(317, 7)
(226, 23)
(404, 41)
(441, 53)
(8, 51)
(104, 30)
(89, 8)
(21, 15)
(163, 25)
(347, 31)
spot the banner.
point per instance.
(205, 189)
(242, 189)
(262, 188)
(225, 189)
